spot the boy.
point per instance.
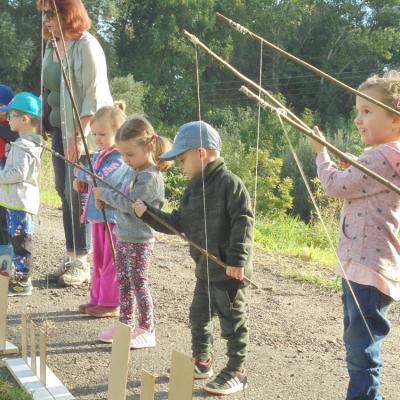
(19, 189)
(229, 221)
(6, 136)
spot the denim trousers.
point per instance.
(363, 347)
(77, 235)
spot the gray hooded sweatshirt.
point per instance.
(19, 186)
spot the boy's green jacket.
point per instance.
(229, 221)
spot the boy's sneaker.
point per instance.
(77, 274)
(20, 287)
(142, 339)
(62, 268)
(107, 335)
(227, 382)
(203, 367)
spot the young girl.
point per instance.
(369, 248)
(104, 297)
(140, 148)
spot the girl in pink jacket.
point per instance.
(369, 248)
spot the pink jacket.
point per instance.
(370, 216)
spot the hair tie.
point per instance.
(154, 136)
(398, 104)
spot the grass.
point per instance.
(10, 391)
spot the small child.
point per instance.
(229, 220)
(140, 148)
(19, 188)
(6, 136)
(104, 296)
(369, 248)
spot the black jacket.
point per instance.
(229, 220)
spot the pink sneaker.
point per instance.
(142, 339)
(107, 334)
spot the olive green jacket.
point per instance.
(229, 221)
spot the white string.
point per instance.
(303, 175)
(203, 184)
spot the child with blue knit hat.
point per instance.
(215, 213)
(19, 186)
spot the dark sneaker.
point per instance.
(203, 367)
(20, 287)
(227, 382)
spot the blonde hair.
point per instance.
(142, 132)
(115, 114)
(388, 84)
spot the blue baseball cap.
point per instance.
(25, 102)
(193, 135)
(6, 94)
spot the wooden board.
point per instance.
(147, 386)
(118, 375)
(181, 379)
(5, 347)
(22, 373)
(3, 310)
(43, 358)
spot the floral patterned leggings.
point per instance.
(132, 264)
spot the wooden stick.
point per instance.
(310, 133)
(181, 378)
(33, 349)
(305, 64)
(147, 385)
(120, 353)
(244, 78)
(24, 337)
(3, 311)
(43, 357)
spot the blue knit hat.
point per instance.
(6, 94)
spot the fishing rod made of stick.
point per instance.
(310, 133)
(213, 258)
(82, 135)
(301, 125)
(243, 30)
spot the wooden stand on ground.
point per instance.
(46, 386)
(5, 346)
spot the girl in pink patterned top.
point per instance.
(369, 248)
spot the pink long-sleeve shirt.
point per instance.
(369, 248)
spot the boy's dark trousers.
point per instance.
(228, 302)
(4, 238)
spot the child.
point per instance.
(6, 136)
(140, 148)
(229, 222)
(369, 249)
(104, 296)
(19, 189)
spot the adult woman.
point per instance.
(84, 61)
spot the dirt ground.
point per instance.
(295, 350)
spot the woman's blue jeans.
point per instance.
(77, 238)
(363, 354)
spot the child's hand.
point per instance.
(79, 186)
(75, 185)
(99, 204)
(318, 148)
(139, 208)
(235, 272)
(97, 191)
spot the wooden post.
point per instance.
(147, 385)
(33, 349)
(181, 378)
(118, 375)
(43, 357)
(3, 311)
(24, 337)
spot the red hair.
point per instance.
(73, 17)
